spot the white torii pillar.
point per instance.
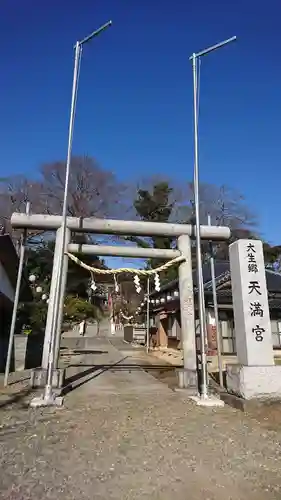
(49, 321)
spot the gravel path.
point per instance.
(124, 435)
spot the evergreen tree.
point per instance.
(156, 205)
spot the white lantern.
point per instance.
(162, 300)
(38, 289)
(47, 301)
(176, 293)
(169, 297)
(32, 278)
(44, 296)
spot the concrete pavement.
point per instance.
(110, 366)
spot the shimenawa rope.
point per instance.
(140, 272)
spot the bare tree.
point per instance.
(226, 206)
(93, 192)
(15, 192)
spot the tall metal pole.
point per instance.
(216, 311)
(111, 312)
(49, 398)
(147, 317)
(201, 298)
(16, 302)
(201, 301)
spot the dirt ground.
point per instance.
(268, 414)
(123, 434)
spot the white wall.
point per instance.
(5, 285)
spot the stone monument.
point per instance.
(255, 375)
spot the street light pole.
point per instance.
(200, 284)
(147, 315)
(201, 298)
(49, 398)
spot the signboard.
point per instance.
(250, 304)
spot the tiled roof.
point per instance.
(222, 274)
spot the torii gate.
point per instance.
(183, 232)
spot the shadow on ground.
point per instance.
(82, 377)
(164, 373)
(67, 350)
(130, 366)
(7, 399)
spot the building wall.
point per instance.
(5, 320)
(275, 319)
(169, 330)
(227, 329)
(226, 326)
(5, 285)
(7, 295)
(174, 330)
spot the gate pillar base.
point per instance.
(187, 380)
(38, 378)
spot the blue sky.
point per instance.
(135, 97)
